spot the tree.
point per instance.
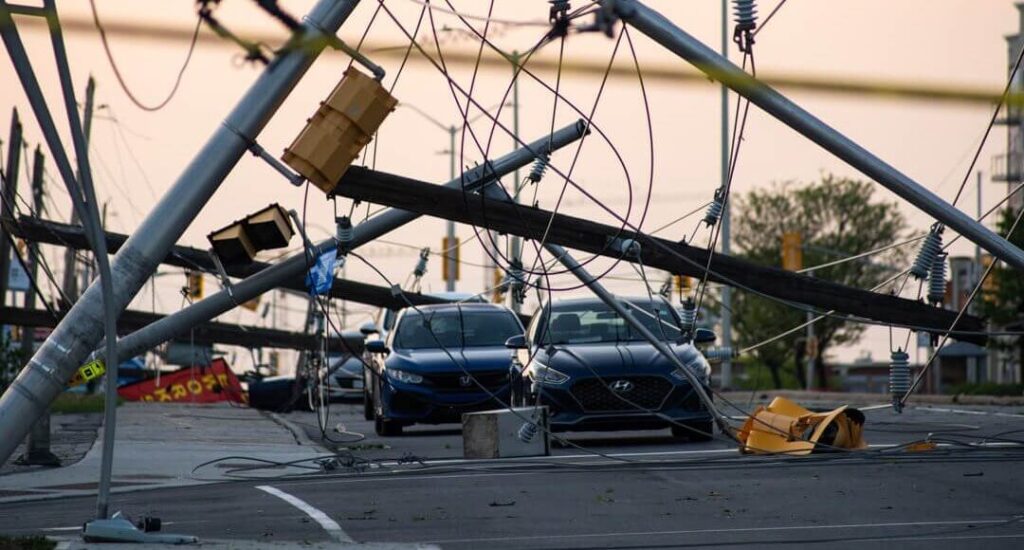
(1003, 291)
(836, 218)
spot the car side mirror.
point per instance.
(704, 336)
(376, 346)
(368, 328)
(516, 342)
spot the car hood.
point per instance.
(436, 360)
(607, 359)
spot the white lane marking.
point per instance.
(965, 411)
(329, 525)
(737, 530)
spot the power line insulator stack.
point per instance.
(344, 232)
(745, 15)
(714, 212)
(899, 378)
(937, 280)
(540, 166)
(688, 316)
(926, 256)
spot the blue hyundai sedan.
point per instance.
(594, 372)
(441, 361)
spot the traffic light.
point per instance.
(990, 285)
(787, 428)
(194, 285)
(497, 290)
(684, 285)
(792, 251)
(450, 251)
(252, 305)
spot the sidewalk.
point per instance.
(158, 445)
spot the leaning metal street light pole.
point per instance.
(666, 33)
(79, 332)
(725, 380)
(293, 267)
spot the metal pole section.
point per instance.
(37, 448)
(517, 253)
(70, 281)
(725, 380)
(10, 187)
(978, 269)
(449, 283)
(295, 266)
(76, 336)
(809, 369)
(87, 206)
(663, 31)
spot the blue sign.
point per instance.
(320, 277)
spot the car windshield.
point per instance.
(592, 323)
(455, 328)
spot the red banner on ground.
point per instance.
(188, 385)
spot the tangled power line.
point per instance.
(563, 22)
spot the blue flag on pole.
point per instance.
(320, 277)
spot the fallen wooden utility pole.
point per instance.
(531, 223)
(205, 333)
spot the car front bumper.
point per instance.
(412, 403)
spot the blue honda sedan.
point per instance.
(441, 361)
(594, 372)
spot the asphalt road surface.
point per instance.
(646, 491)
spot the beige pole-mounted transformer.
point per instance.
(336, 134)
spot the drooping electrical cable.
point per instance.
(117, 71)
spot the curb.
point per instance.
(297, 432)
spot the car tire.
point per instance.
(367, 404)
(381, 424)
(386, 428)
(694, 431)
(516, 397)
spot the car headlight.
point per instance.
(543, 374)
(404, 377)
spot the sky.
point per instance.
(137, 155)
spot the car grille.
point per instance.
(648, 392)
(453, 381)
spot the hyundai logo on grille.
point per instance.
(622, 386)
(465, 380)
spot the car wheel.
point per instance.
(367, 402)
(516, 398)
(381, 424)
(385, 427)
(694, 431)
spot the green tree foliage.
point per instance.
(1003, 294)
(836, 218)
